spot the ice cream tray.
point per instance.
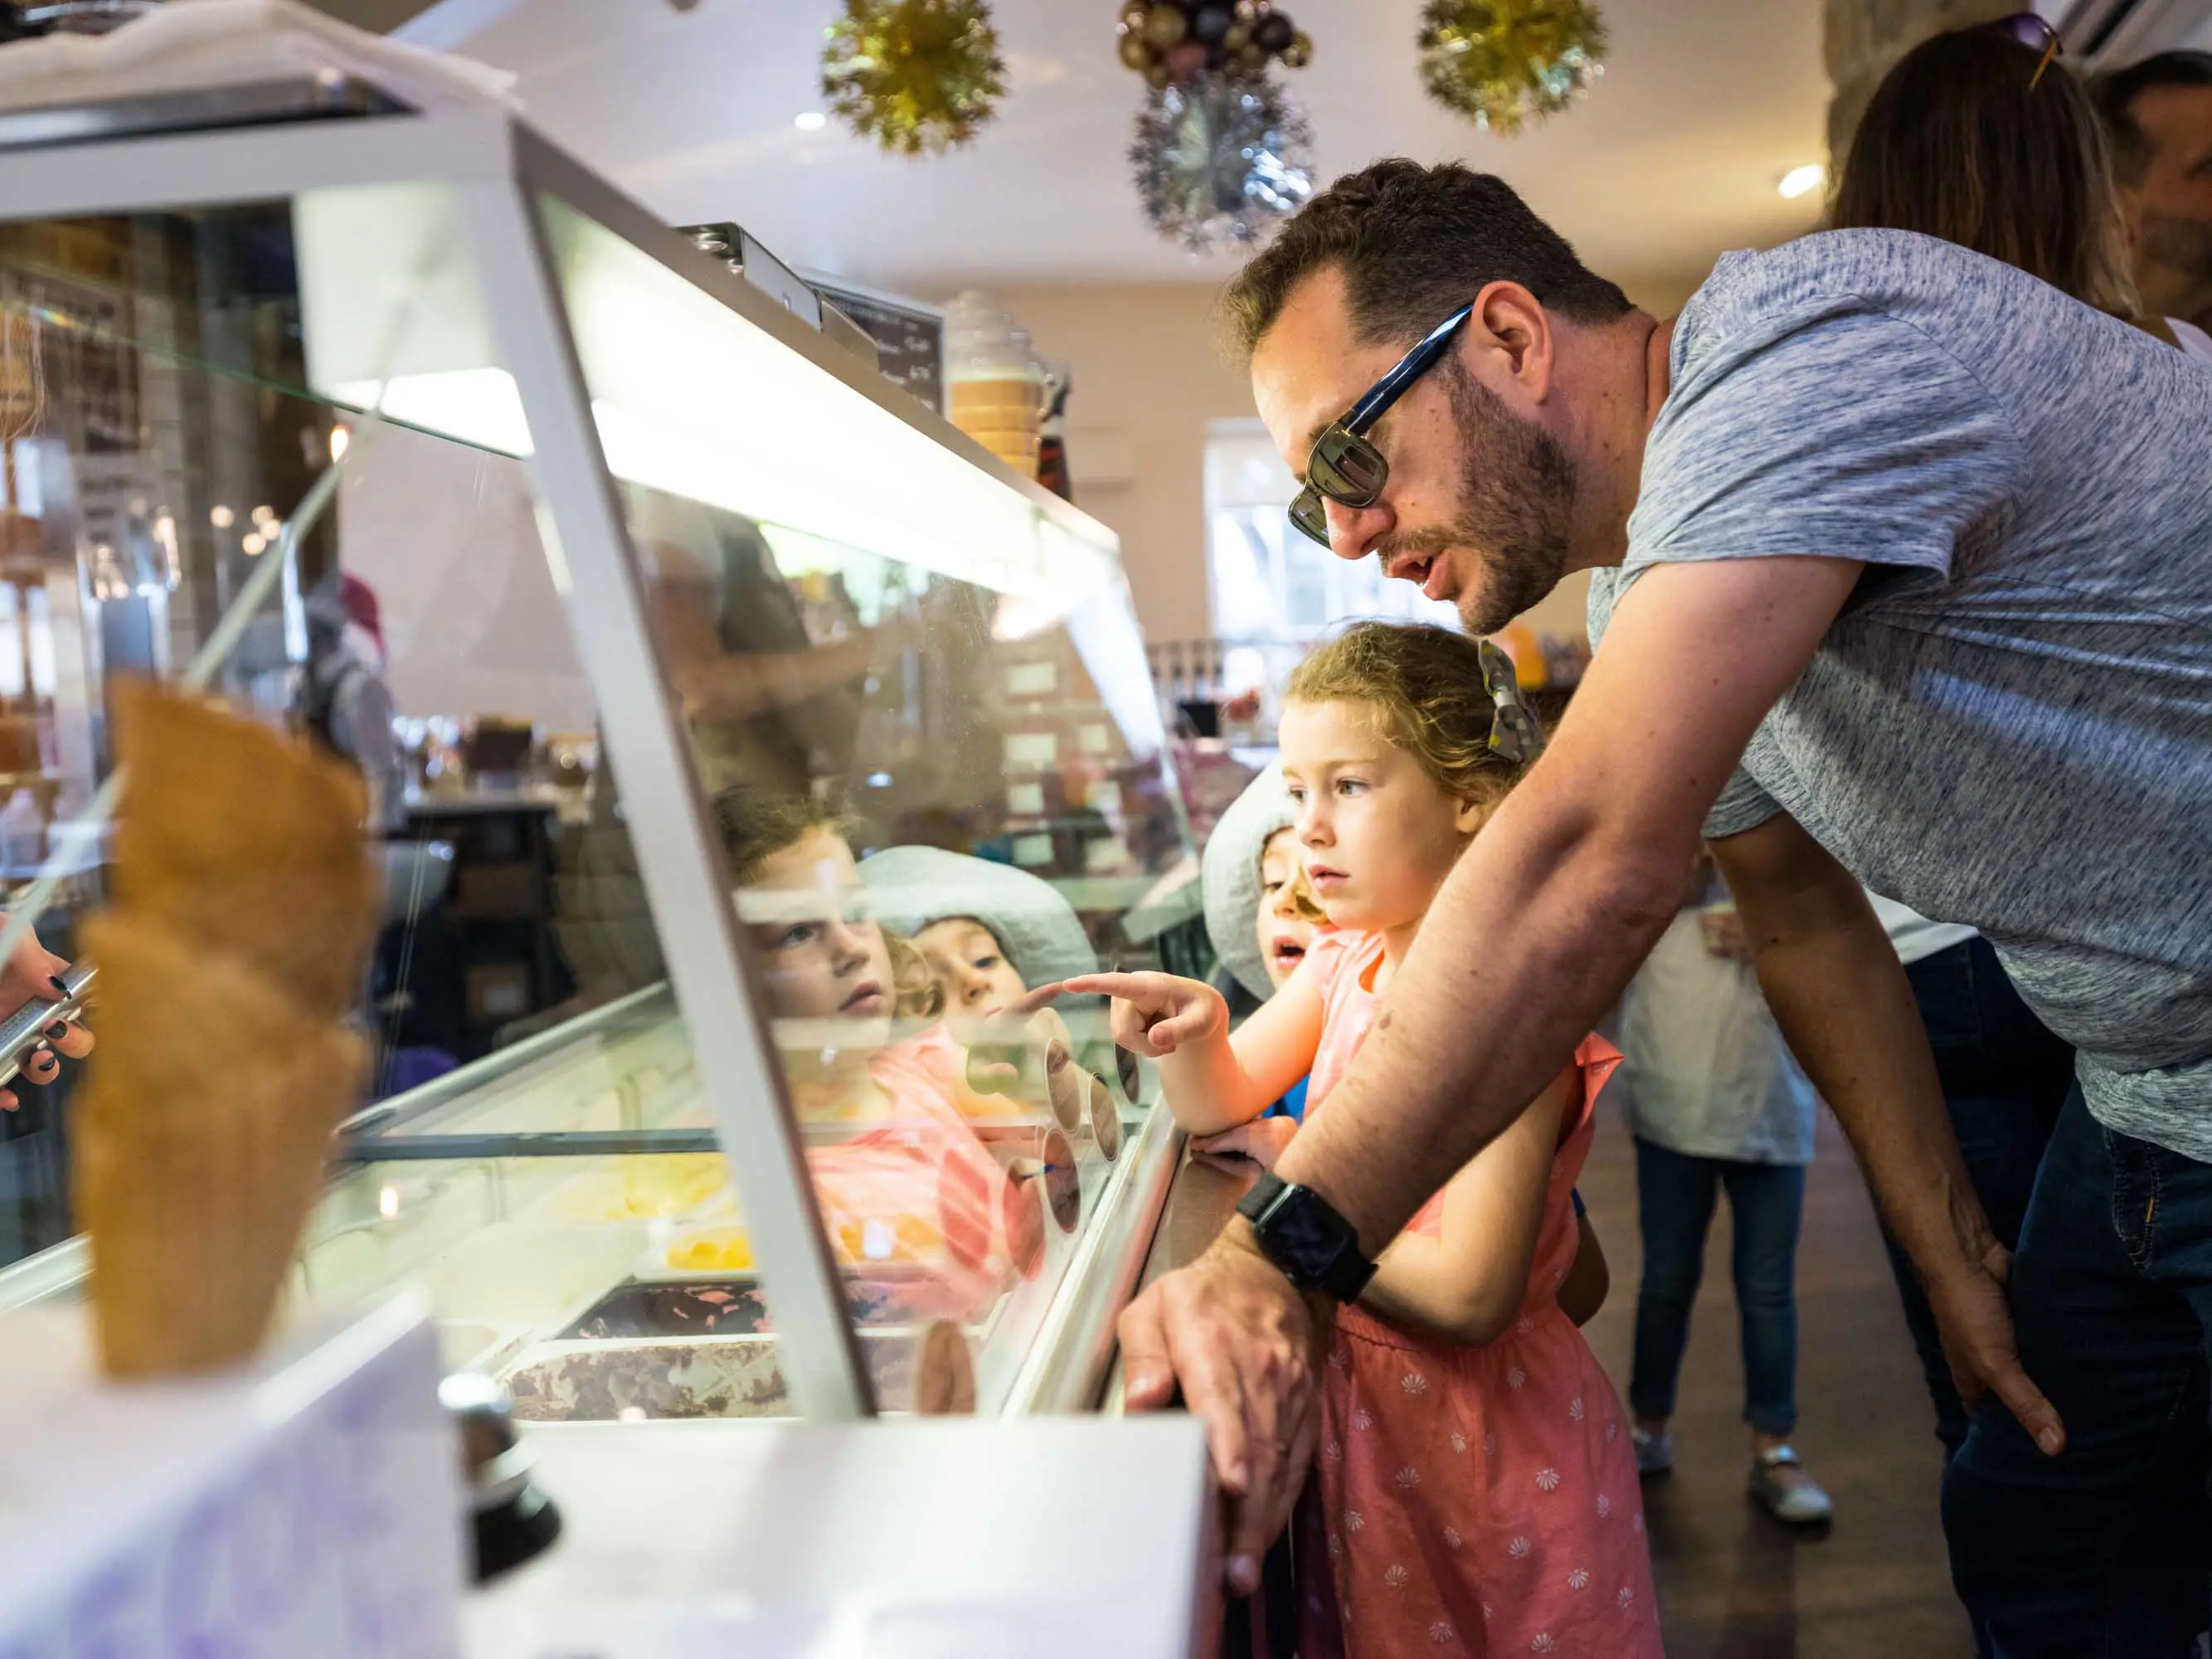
(701, 1348)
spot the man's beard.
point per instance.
(1517, 502)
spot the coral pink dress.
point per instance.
(1469, 1500)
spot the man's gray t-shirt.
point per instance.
(2011, 725)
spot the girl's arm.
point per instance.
(1214, 1081)
(1467, 1284)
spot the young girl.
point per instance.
(1475, 1492)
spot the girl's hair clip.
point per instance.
(1515, 734)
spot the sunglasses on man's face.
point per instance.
(1344, 464)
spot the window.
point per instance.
(1268, 582)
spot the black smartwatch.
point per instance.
(1316, 1248)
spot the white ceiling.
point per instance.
(1673, 159)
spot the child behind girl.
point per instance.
(1475, 1491)
(1260, 917)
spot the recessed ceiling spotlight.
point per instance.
(1803, 181)
(812, 120)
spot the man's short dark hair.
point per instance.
(2116, 95)
(1415, 243)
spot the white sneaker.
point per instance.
(1797, 1503)
(1655, 1453)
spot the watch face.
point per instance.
(1304, 1237)
(1303, 1233)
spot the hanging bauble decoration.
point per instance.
(918, 77)
(1500, 63)
(1174, 42)
(1220, 162)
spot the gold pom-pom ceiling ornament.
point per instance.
(1501, 62)
(918, 77)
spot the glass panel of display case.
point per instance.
(917, 701)
(534, 1151)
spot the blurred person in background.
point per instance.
(344, 702)
(1714, 1101)
(2159, 115)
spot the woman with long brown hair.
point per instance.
(1982, 139)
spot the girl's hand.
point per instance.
(1262, 1140)
(1156, 1014)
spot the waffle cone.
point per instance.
(198, 1145)
(237, 836)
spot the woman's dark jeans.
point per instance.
(2004, 1078)
(1675, 1195)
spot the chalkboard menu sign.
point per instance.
(909, 336)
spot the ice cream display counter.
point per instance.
(877, 758)
(568, 1212)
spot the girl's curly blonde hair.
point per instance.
(1429, 696)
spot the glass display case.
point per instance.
(743, 745)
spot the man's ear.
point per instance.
(1511, 324)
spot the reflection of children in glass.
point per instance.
(909, 1181)
(988, 933)
(1475, 1486)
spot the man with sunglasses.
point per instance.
(1903, 574)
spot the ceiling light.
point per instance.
(1803, 181)
(813, 120)
(220, 516)
(253, 544)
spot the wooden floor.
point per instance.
(1732, 1584)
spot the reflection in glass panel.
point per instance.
(916, 699)
(535, 1137)
(919, 709)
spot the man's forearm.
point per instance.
(1842, 999)
(1522, 952)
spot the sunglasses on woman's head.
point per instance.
(2035, 33)
(1344, 466)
